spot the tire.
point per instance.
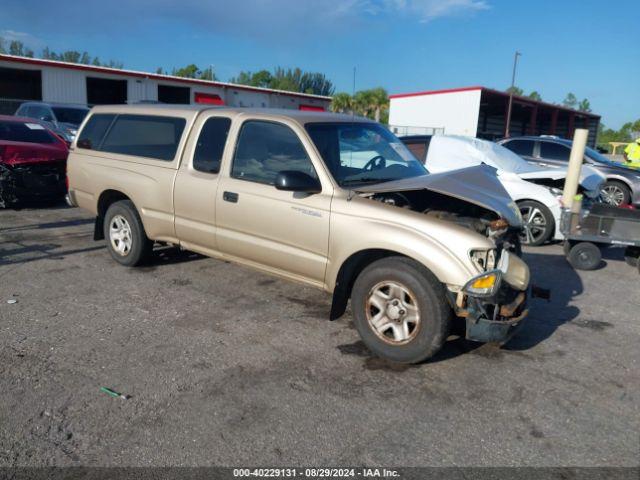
(537, 228)
(126, 239)
(615, 193)
(413, 328)
(584, 256)
(631, 255)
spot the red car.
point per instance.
(33, 161)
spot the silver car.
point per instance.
(63, 119)
(622, 185)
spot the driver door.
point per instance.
(286, 233)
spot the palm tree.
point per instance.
(379, 102)
(363, 101)
(342, 102)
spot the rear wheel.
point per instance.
(400, 310)
(126, 240)
(539, 224)
(584, 256)
(615, 193)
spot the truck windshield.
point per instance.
(363, 153)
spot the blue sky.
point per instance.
(586, 47)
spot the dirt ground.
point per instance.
(226, 366)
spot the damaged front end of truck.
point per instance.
(493, 303)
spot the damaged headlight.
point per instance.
(483, 259)
(485, 285)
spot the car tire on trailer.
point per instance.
(584, 256)
(615, 193)
(127, 241)
(539, 224)
(400, 310)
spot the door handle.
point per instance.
(230, 197)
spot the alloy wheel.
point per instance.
(120, 235)
(535, 224)
(612, 194)
(393, 313)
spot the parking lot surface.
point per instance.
(226, 366)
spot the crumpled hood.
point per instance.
(478, 185)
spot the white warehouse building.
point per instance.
(31, 79)
(482, 112)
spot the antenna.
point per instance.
(353, 96)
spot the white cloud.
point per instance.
(27, 39)
(422, 10)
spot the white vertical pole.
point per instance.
(575, 165)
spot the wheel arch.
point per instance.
(349, 271)
(620, 179)
(105, 200)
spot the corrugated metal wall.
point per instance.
(66, 85)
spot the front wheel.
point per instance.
(126, 240)
(539, 224)
(400, 310)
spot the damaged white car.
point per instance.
(536, 190)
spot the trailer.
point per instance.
(596, 227)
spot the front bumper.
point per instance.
(496, 317)
(496, 320)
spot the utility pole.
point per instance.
(513, 84)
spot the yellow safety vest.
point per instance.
(633, 152)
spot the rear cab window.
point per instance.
(148, 136)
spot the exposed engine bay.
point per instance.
(447, 208)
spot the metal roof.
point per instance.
(155, 76)
(497, 93)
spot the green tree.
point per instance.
(570, 101)
(584, 105)
(2, 46)
(515, 90)
(208, 74)
(535, 96)
(190, 71)
(292, 79)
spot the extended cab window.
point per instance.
(554, 151)
(94, 131)
(265, 148)
(210, 146)
(144, 136)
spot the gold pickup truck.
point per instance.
(332, 201)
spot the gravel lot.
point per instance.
(226, 366)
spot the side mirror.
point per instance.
(294, 181)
